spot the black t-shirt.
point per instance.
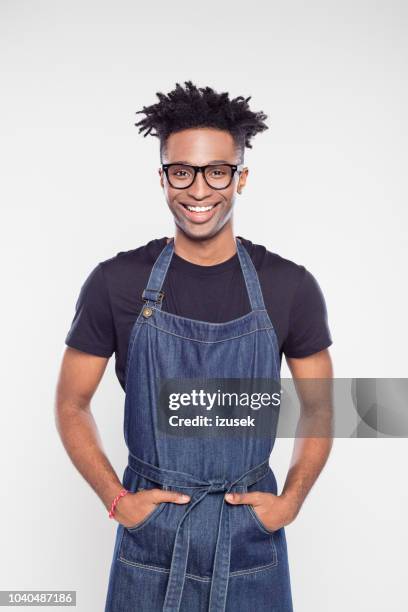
(111, 298)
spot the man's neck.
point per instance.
(206, 252)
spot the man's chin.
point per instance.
(197, 232)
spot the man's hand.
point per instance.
(133, 508)
(273, 511)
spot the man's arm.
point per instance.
(79, 378)
(309, 453)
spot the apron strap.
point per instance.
(153, 294)
(251, 278)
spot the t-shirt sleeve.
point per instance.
(308, 321)
(92, 329)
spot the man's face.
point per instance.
(198, 147)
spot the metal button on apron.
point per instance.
(147, 312)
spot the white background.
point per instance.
(327, 189)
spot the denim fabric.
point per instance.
(206, 555)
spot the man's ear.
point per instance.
(242, 179)
(160, 171)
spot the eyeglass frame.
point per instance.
(234, 168)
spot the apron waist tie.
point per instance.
(221, 566)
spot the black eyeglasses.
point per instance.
(217, 176)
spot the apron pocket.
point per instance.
(150, 542)
(147, 518)
(257, 520)
(252, 545)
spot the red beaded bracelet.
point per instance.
(121, 493)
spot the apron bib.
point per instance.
(206, 555)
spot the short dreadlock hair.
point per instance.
(193, 107)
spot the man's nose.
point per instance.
(199, 188)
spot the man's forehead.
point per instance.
(192, 163)
(200, 147)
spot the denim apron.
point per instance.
(205, 555)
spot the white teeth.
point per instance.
(199, 208)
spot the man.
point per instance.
(200, 523)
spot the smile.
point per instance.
(199, 209)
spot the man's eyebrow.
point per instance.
(213, 161)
